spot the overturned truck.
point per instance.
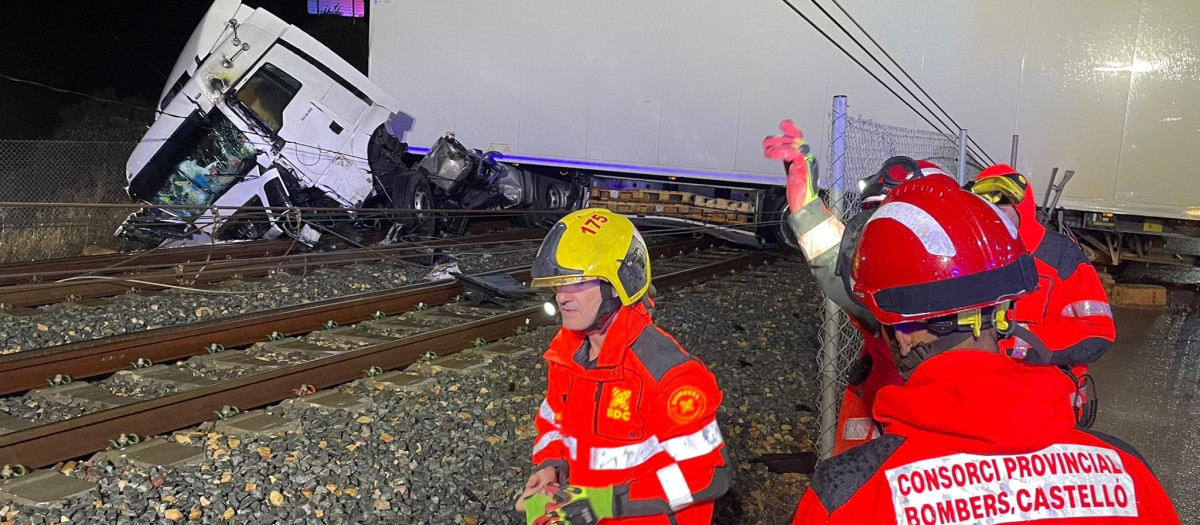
(260, 120)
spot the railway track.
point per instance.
(69, 280)
(443, 330)
(16, 273)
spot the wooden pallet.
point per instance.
(674, 203)
(662, 196)
(612, 195)
(741, 206)
(722, 204)
(716, 216)
(659, 209)
(619, 207)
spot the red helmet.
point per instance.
(894, 172)
(933, 249)
(1003, 185)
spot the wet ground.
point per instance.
(1149, 391)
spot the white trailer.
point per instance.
(672, 98)
(688, 88)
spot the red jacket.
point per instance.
(642, 419)
(1068, 315)
(828, 245)
(975, 437)
(855, 425)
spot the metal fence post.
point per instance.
(839, 152)
(962, 155)
(831, 314)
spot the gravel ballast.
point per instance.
(459, 452)
(69, 322)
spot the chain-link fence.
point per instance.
(60, 172)
(858, 148)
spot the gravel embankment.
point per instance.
(68, 322)
(459, 453)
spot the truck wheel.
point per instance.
(776, 229)
(412, 200)
(554, 197)
(453, 223)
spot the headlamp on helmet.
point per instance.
(894, 172)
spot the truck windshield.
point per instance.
(196, 165)
(266, 93)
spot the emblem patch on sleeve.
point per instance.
(686, 404)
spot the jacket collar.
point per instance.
(627, 324)
(979, 402)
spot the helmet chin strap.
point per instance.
(922, 351)
(608, 308)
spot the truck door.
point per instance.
(311, 117)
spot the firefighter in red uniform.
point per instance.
(627, 433)
(1067, 321)
(821, 235)
(973, 436)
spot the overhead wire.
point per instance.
(950, 132)
(953, 129)
(902, 70)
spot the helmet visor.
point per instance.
(562, 280)
(999, 190)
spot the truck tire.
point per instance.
(552, 199)
(776, 229)
(412, 200)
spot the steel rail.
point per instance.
(206, 272)
(50, 443)
(26, 272)
(30, 369)
(46, 270)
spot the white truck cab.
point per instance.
(260, 116)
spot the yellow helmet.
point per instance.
(594, 244)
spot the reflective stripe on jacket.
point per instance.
(642, 418)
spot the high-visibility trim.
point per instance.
(822, 237)
(1020, 348)
(675, 486)
(547, 413)
(927, 229)
(695, 444)
(1088, 309)
(628, 456)
(857, 429)
(551, 437)
(679, 448)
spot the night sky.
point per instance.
(90, 46)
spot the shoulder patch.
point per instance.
(1061, 253)
(686, 404)
(841, 476)
(1121, 445)
(658, 353)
